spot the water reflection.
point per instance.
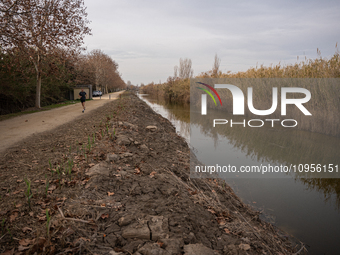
(308, 208)
(275, 145)
(178, 115)
(324, 104)
(266, 144)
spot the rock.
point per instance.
(198, 249)
(111, 239)
(133, 246)
(126, 154)
(112, 157)
(244, 246)
(222, 242)
(158, 226)
(112, 229)
(137, 230)
(115, 253)
(102, 168)
(151, 128)
(190, 238)
(172, 245)
(126, 220)
(136, 143)
(152, 249)
(128, 125)
(246, 240)
(123, 173)
(143, 147)
(123, 140)
(231, 249)
(131, 126)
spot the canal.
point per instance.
(306, 208)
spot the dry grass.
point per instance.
(309, 68)
(324, 106)
(175, 90)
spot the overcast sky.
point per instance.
(148, 37)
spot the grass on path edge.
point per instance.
(45, 108)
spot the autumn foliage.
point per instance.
(41, 58)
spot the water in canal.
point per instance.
(305, 208)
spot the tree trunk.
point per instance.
(38, 87)
(38, 91)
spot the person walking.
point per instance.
(82, 95)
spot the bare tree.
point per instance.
(184, 70)
(38, 27)
(106, 75)
(216, 67)
(175, 72)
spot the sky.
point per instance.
(147, 38)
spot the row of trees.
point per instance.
(60, 72)
(40, 53)
(99, 69)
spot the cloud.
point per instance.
(147, 38)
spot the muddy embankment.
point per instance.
(129, 192)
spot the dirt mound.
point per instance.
(117, 182)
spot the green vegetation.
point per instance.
(10, 234)
(47, 186)
(28, 192)
(50, 164)
(58, 171)
(48, 218)
(45, 108)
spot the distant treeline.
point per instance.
(61, 72)
(177, 87)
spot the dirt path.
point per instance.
(16, 129)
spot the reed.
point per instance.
(177, 90)
(324, 106)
